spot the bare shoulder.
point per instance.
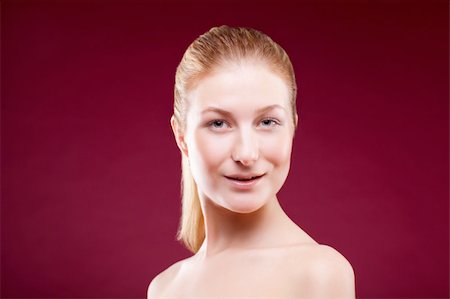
(329, 273)
(162, 280)
(326, 259)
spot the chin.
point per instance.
(243, 205)
(244, 209)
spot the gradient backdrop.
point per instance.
(90, 171)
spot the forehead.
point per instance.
(240, 87)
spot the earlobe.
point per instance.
(179, 138)
(183, 146)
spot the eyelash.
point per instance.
(273, 121)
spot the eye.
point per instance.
(218, 124)
(269, 122)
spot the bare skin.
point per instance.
(287, 265)
(252, 249)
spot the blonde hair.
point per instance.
(218, 47)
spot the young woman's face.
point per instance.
(238, 136)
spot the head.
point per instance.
(234, 120)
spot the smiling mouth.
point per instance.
(244, 179)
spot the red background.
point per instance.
(90, 171)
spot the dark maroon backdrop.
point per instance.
(90, 170)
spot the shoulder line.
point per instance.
(160, 281)
(325, 258)
(328, 270)
(332, 273)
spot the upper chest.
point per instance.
(258, 274)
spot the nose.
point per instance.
(246, 150)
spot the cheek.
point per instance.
(277, 153)
(277, 149)
(208, 152)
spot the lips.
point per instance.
(244, 182)
(244, 177)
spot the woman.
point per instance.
(234, 121)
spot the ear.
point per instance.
(179, 138)
(296, 120)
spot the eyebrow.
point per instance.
(227, 113)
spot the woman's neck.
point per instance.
(269, 226)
